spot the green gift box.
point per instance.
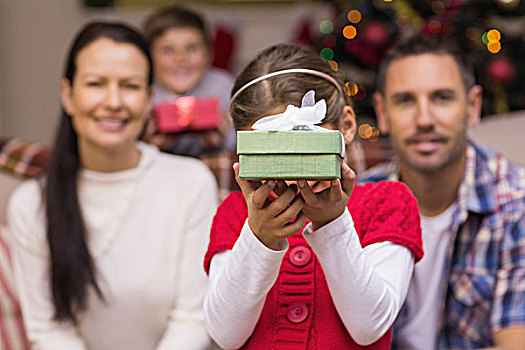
(304, 154)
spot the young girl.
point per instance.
(107, 245)
(339, 283)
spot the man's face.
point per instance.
(426, 110)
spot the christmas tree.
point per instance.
(490, 32)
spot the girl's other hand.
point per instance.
(327, 205)
(270, 221)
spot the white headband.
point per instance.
(286, 71)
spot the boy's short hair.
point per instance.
(173, 17)
(419, 44)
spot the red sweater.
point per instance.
(299, 312)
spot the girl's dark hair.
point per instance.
(281, 90)
(72, 269)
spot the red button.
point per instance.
(300, 256)
(297, 312)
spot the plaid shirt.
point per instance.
(485, 266)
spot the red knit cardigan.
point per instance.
(384, 211)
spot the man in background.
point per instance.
(468, 291)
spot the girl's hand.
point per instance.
(270, 221)
(327, 205)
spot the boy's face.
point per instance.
(180, 58)
(426, 110)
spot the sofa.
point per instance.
(20, 160)
(504, 133)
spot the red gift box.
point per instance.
(188, 113)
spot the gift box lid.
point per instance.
(290, 142)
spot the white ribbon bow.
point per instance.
(296, 118)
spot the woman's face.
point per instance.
(180, 57)
(110, 97)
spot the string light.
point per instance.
(333, 64)
(329, 40)
(368, 132)
(354, 16)
(492, 40)
(493, 35)
(326, 54)
(494, 47)
(361, 94)
(349, 32)
(351, 89)
(434, 26)
(326, 26)
(438, 7)
(364, 131)
(484, 38)
(375, 135)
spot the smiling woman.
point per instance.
(117, 269)
(108, 101)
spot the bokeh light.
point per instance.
(402, 21)
(438, 7)
(493, 35)
(368, 132)
(327, 54)
(351, 88)
(434, 26)
(354, 16)
(329, 40)
(361, 93)
(364, 130)
(333, 64)
(349, 32)
(473, 33)
(326, 26)
(494, 47)
(484, 38)
(375, 134)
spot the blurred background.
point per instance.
(352, 35)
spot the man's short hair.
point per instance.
(173, 17)
(419, 44)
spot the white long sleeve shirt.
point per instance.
(148, 230)
(368, 286)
